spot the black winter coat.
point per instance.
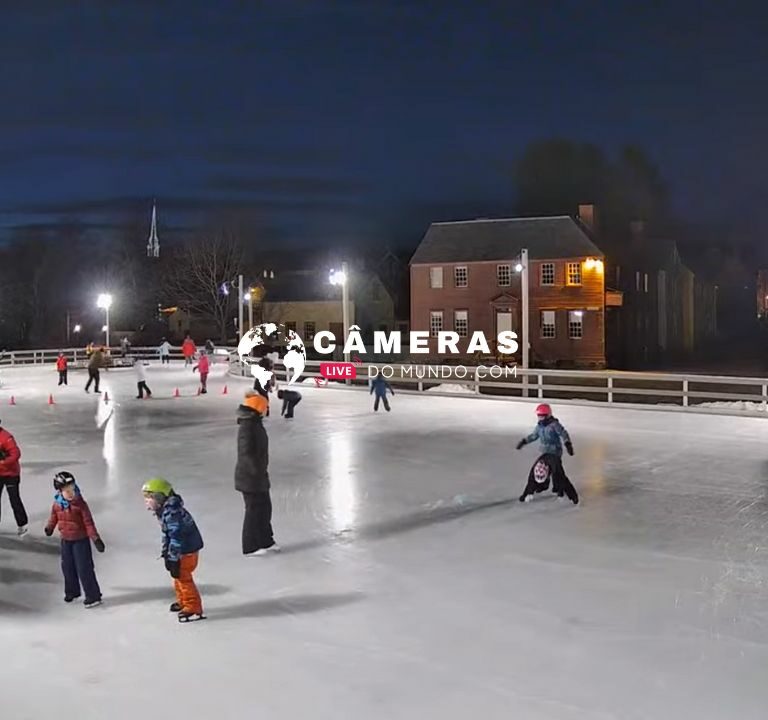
(251, 474)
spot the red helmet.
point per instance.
(543, 410)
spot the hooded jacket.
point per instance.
(61, 363)
(73, 518)
(551, 436)
(9, 455)
(379, 385)
(251, 474)
(181, 536)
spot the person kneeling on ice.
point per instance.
(290, 398)
(379, 385)
(551, 436)
(73, 517)
(182, 543)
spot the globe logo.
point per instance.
(295, 358)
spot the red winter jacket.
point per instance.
(9, 455)
(61, 364)
(188, 347)
(75, 521)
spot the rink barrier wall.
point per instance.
(709, 394)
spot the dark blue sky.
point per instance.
(346, 119)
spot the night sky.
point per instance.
(355, 121)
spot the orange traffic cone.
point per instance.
(13, 400)
(177, 393)
(50, 400)
(224, 391)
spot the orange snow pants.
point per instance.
(187, 594)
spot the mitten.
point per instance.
(99, 545)
(569, 447)
(520, 445)
(48, 531)
(173, 567)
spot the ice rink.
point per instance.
(412, 584)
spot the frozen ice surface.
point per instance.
(412, 583)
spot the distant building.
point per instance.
(463, 279)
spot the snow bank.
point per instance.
(743, 405)
(452, 388)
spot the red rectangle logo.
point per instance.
(338, 371)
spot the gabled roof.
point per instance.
(478, 240)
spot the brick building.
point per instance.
(463, 278)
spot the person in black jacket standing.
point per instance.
(252, 476)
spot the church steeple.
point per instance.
(153, 244)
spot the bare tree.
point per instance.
(197, 273)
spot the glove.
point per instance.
(48, 531)
(98, 543)
(173, 567)
(520, 445)
(569, 447)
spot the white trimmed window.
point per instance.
(435, 322)
(460, 276)
(548, 273)
(573, 273)
(547, 324)
(435, 277)
(290, 326)
(461, 322)
(504, 275)
(575, 324)
(309, 331)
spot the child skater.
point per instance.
(203, 366)
(73, 517)
(379, 385)
(182, 543)
(551, 436)
(141, 379)
(61, 367)
(290, 398)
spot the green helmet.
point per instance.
(157, 486)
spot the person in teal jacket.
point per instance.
(552, 436)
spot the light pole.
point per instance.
(248, 297)
(104, 301)
(341, 277)
(522, 268)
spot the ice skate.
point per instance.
(185, 617)
(22, 531)
(88, 604)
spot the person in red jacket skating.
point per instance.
(61, 366)
(188, 349)
(10, 477)
(204, 366)
(73, 517)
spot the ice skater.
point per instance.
(61, 367)
(379, 385)
(182, 544)
(10, 478)
(94, 364)
(188, 349)
(252, 476)
(140, 369)
(73, 517)
(551, 436)
(290, 398)
(165, 352)
(203, 367)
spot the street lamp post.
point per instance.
(342, 278)
(104, 301)
(522, 268)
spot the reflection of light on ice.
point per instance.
(343, 493)
(105, 421)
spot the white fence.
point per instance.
(713, 394)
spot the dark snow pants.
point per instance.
(257, 523)
(77, 566)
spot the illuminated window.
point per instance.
(575, 324)
(573, 273)
(435, 277)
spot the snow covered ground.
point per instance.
(412, 584)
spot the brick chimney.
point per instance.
(588, 216)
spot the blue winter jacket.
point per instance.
(180, 533)
(379, 385)
(551, 436)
